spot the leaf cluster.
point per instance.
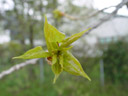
(58, 54)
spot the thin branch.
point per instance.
(96, 13)
(107, 18)
(89, 16)
(17, 67)
(124, 2)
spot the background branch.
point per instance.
(107, 18)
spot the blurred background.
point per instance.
(103, 52)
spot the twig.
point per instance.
(17, 67)
(107, 18)
(89, 16)
(94, 14)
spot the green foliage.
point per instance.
(66, 42)
(19, 84)
(8, 50)
(37, 52)
(116, 61)
(72, 65)
(58, 54)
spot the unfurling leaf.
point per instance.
(56, 67)
(73, 38)
(72, 66)
(61, 61)
(37, 52)
(58, 55)
(52, 35)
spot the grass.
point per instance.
(19, 84)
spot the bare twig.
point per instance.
(107, 18)
(17, 67)
(124, 2)
(99, 11)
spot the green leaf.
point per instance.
(56, 36)
(52, 35)
(36, 52)
(73, 38)
(47, 35)
(61, 61)
(68, 48)
(72, 66)
(56, 67)
(54, 59)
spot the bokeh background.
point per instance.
(103, 52)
